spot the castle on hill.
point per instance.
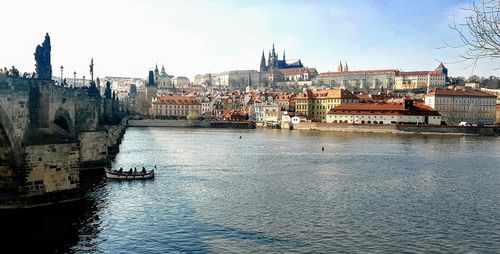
(273, 63)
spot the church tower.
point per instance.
(157, 73)
(340, 68)
(151, 90)
(263, 67)
(284, 58)
(346, 68)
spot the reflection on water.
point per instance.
(277, 191)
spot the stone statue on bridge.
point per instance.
(42, 58)
(91, 69)
(107, 92)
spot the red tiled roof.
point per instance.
(299, 114)
(177, 100)
(338, 73)
(284, 96)
(327, 94)
(382, 109)
(459, 92)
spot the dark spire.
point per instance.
(269, 60)
(151, 78)
(156, 69)
(284, 58)
(274, 51)
(262, 62)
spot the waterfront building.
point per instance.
(497, 114)
(315, 104)
(264, 109)
(288, 119)
(406, 112)
(463, 105)
(495, 92)
(286, 101)
(176, 106)
(271, 114)
(206, 105)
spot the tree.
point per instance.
(193, 116)
(480, 32)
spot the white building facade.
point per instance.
(463, 105)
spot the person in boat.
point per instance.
(143, 170)
(135, 170)
(121, 170)
(130, 171)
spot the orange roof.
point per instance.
(284, 96)
(459, 92)
(338, 73)
(382, 109)
(327, 94)
(177, 100)
(420, 73)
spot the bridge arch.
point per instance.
(63, 120)
(10, 154)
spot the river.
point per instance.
(277, 191)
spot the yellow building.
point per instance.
(316, 104)
(419, 80)
(176, 106)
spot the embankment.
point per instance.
(167, 123)
(424, 129)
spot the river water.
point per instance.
(276, 191)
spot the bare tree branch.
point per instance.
(480, 32)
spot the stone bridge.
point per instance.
(48, 133)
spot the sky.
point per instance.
(127, 38)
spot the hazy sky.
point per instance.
(127, 37)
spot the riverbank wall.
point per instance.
(393, 128)
(168, 123)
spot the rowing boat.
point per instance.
(115, 174)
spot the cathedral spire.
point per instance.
(346, 68)
(284, 58)
(263, 62)
(274, 51)
(340, 68)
